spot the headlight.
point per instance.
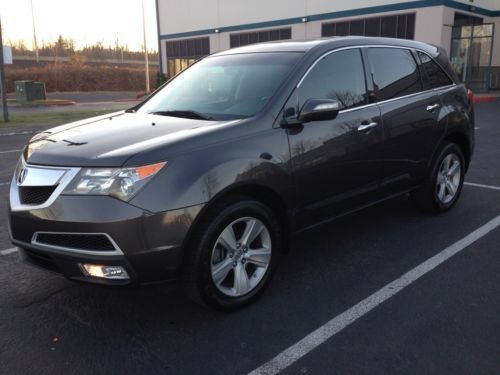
(122, 183)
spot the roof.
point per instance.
(334, 42)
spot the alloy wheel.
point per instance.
(448, 178)
(241, 256)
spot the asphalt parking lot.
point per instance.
(385, 290)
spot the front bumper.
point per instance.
(147, 245)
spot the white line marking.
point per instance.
(5, 152)
(482, 186)
(338, 323)
(4, 183)
(9, 251)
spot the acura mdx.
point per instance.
(211, 177)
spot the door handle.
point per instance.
(364, 127)
(432, 107)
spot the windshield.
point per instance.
(223, 87)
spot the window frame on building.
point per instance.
(183, 52)
(259, 36)
(403, 26)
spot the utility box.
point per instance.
(27, 91)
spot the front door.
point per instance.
(336, 163)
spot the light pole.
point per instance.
(2, 80)
(34, 33)
(146, 60)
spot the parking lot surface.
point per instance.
(445, 321)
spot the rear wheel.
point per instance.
(232, 254)
(443, 186)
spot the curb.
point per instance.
(62, 104)
(486, 99)
(49, 103)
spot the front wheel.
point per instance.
(443, 186)
(232, 254)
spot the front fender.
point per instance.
(198, 176)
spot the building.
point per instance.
(468, 29)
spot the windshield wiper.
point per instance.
(184, 114)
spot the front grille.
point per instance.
(35, 194)
(91, 242)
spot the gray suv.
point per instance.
(210, 178)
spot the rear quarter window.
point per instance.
(433, 75)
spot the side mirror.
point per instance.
(318, 110)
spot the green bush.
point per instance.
(81, 77)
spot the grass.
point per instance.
(50, 118)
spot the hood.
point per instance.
(109, 141)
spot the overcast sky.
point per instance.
(85, 21)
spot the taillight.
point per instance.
(470, 97)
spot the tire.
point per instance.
(213, 252)
(443, 185)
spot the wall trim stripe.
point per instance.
(340, 14)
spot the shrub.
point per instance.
(77, 76)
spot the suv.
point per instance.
(209, 179)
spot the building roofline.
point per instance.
(340, 14)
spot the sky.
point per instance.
(84, 21)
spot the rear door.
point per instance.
(411, 115)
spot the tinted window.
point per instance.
(400, 26)
(395, 72)
(388, 27)
(243, 39)
(342, 29)
(357, 27)
(372, 27)
(338, 76)
(434, 76)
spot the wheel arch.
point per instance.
(463, 142)
(259, 192)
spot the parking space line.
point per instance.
(4, 183)
(482, 186)
(6, 152)
(8, 251)
(338, 323)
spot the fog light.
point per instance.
(104, 272)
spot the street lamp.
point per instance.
(34, 33)
(2, 80)
(146, 62)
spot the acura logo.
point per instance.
(22, 176)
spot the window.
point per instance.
(184, 52)
(243, 39)
(338, 76)
(397, 26)
(372, 27)
(388, 26)
(225, 87)
(395, 72)
(433, 75)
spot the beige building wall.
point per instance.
(432, 24)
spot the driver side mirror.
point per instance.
(312, 110)
(318, 110)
